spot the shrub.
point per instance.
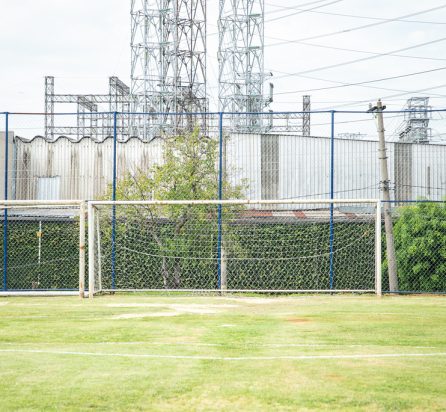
(420, 243)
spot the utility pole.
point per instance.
(385, 188)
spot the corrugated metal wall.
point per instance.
(85, 168)
(415, 170)
(271, 166)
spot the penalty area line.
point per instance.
(227, 358)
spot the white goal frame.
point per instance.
(49, 204)
(92, 205)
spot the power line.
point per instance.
(369, 87)
(365, 120)
(303, 11)
(295, 101)
(365, 26)
(332, 66)
(360, 102)
(364, 82)
(298, 7)
(356, 16)
(299, 12)
(362, 51)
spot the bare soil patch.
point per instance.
(298, 320)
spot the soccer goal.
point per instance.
(287, 246)
(43, 247)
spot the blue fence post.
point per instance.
(332, 195)
(5, 220)
(220, 196)
(115, 146)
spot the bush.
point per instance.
(59, 258)
(420, 243)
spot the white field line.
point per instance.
(220, 345)
(227, 358)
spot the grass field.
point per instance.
(223, 354)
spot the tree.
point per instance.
(420, 241)
(185, 236)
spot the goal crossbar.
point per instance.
(231, 202)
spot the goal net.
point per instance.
(239, 246)
(43, 247)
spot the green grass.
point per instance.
(35, 375)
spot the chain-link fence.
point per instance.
(266, 156)
(63, 156)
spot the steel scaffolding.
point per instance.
(241, 63)
(415, 128)
(168, 64)
(94, 112)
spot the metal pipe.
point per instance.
(332, 193)
(82, 250)
(40, 203)
(230, 202)
(378, 251)
(220, 197)
(115, 146)
(5, 220)
(91, 260)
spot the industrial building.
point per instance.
(272, 166)
(279, 156)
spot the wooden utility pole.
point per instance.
(385, 188)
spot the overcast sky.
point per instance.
(83, 42)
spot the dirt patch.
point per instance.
(298, 320)
(335, 377)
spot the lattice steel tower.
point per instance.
(168, 61)
(415, 128)
(241, 62)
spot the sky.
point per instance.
(83, 42)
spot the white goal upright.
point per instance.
(275, 246)
(43, 247)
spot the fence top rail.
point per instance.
(49, 203)
(229, 202)
(265, 114)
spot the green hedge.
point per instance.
(420, 245)
(301, 257)
(59, 259)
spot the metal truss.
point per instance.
(241, 63)
(168, 78)
(415, 128)
(168, 64)
(94, 112)
(298, 123)
(306, 116)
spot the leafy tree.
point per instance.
(180, 234)
(420, 242)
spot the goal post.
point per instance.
(43, 247)
(269, 246)
(378, 249)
